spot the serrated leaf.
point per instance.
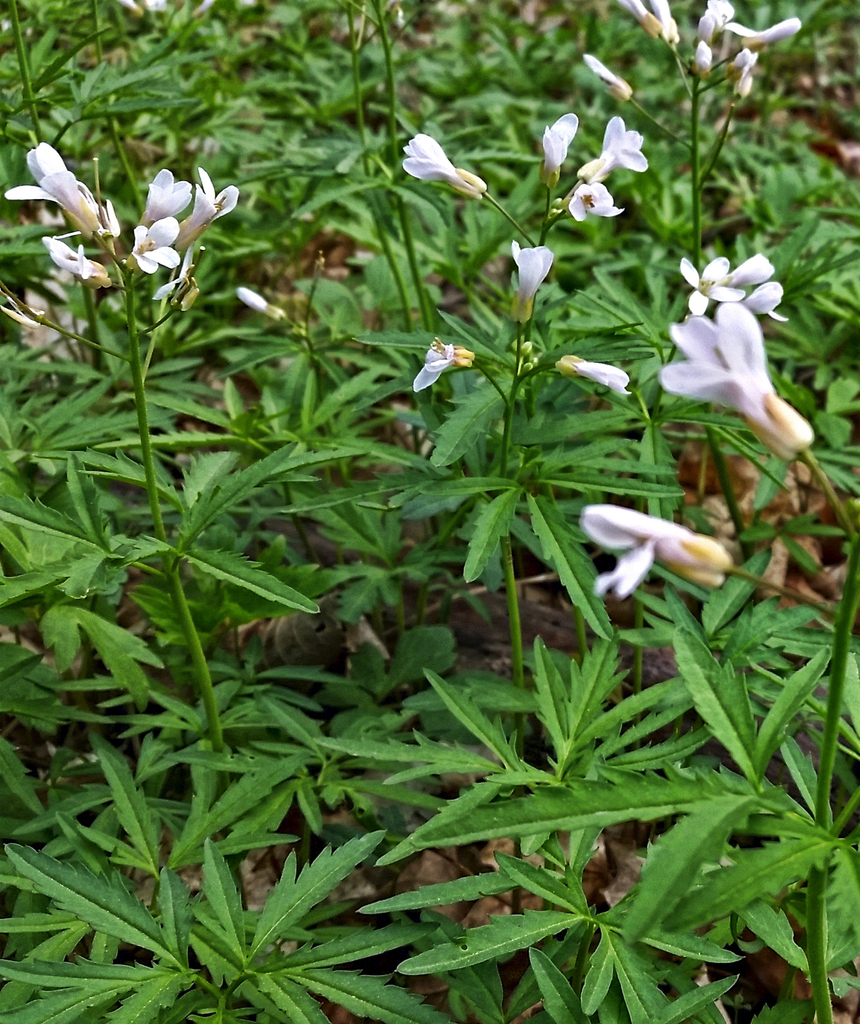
(129, 803)
(573, 566)
(368, 996)
(720, 697)
(499, 939)
(358, 945)
(105, 904)
(437, 894)
(470, 420)
(686, 1006)
(471, 716)
(67, 1007)
(222, 895)
(33, 515)
(150, 997)
(293, 897)
(174, 901)
(775, 929)
(287, 995)
(601, 970)
(552, 888)
(493, 522)
(238, 570)
(676, 858)
(559, 998)
(796, 689)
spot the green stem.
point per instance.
(718, 146)
(24, 69)
(722, 468)
(793, 595)
(505, 213)
(823, 481)
(98, 40)
(123, 156)
(656, 123)
(393, 142)
(581, 638)
(547, 222)
(358, 99)
(816, 892)
(695, 172)
(517, 670)
(171, 562)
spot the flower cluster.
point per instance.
(718, 283)
(159, 240)
(717, 20)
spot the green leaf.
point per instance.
(472, 887)
(470, 420)
(720, 697)
(767, 870)
(33, 515)
(293, 897)
(678, 856)
(726, 601)
(238, 570)
(69, 1006)
(287, 996)
(774, 928)
(174, 899)
(552, 888)
(494, 941)
(129, 803)
(559, 998)
(358, 944)
(575, 569)
(686, 1006)
(150, 998)
(601, 970)
(223, 896)
(368, 996)
(795, 692)
(493, 522)
(468, 714)
(104, 903)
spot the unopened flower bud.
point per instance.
(472, 186)
(463, 356)
(703, 59)
(256, 302)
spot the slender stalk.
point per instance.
(721, 466)
(517, 671)
(823, 481)
(695, 176)
(94, 5)
(505, 213)
(358, 99)
(24, 69)
(816, 891)
(171, 562)
(656, 123)
(393, 142)
(718, 145)
(793, 595)
(123, 156)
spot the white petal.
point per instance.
(252, 299)
(698, 303)
(698, 338)
(742, 343)
(44, 160)
(765, 298)
(690, 274)
(533, 264)
(706, 382)
(28, 192)
(631, 569)
(164, 232)
(603, 373)
(716, 270)
(720, 293)
(752, 271)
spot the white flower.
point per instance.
(148, 5)
(166, 197)
(592, 199)
(717, 283)
(55, 182)
(644, 538)
(256, 302)
(726, 364)
(438, 359)
(758, 40)
(703, 60)
(765, 299)
(556, 142)
(668, 28)
(617, 86)
(153, 246)
(207, 207)
(533, 266)
(19, 313)
(646, 19)
(603, 373)
(620, 149)
(183, 288)
(714, 20)
(91, 273)
(740, 71)
(426, 160)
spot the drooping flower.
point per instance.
(740, 71)
(21, 313)
(645, 538)
(425, 159)
(533, 266)
(646, 19)
(713, 22)
(166, 197)
(92, 274)
(207, 207)
(603, 373)
(719, 284)
(668, 28)
(154, 246)
(726, 364)
(256, 302)
(621, 148)
(556, 142)
(592, 199)
(55, 182)
(703, 60)
(438, 359)
(183, 290)
(618, 88)
(758, 40)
